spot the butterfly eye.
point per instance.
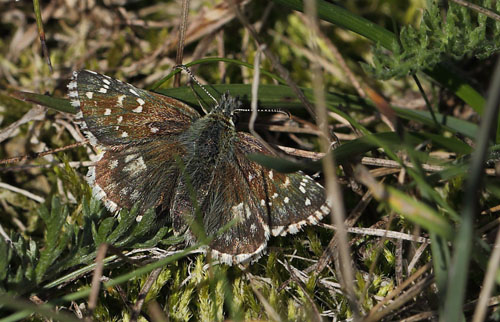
(235, 118)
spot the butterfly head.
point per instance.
(227, 106)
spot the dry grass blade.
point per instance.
(208, 22)
(270, 311)
(489, 282)
(156, 312)
(22, 192)
(349, 222)
(282, 71)
(36, 113)
(41, 33)
(479, 9)
(333, 191)
(375, 314)
(180, 43)
(136, 311)
(315, 316)
(96, 279)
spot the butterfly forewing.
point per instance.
(117, 113)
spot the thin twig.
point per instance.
(316, 316)
(417, 255)
(271, 312)
(41, 154)
(479, 9)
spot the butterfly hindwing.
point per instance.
(291, 200)
(144, 174)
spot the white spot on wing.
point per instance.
(75, 103)
(113, 164)
(240, 258)
(125, 191)
(286, 200)
(133, 92)
(135, 166)
(271, 174)
(89, 95)
(120, 100)
(293, 229)
(238, 210)
(154, 129)
(278, 230)
(124, 134)
(301, 188)
(119, 119)
(103, 90)
(135, 195)
(308, 202)
(138, 109)
(107, 111)
(72, 85)
(106, 81)
(130, 157)
(140, 101)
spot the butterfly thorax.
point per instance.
(207, 140)
(211, 137)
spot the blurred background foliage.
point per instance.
(439, 48)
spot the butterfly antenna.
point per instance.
(184, 68)
(266, 110)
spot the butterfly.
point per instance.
(158, 152)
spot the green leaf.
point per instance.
(104, 230)
(56, 239)
(127, 219)
(60, 104)
(4, 258)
